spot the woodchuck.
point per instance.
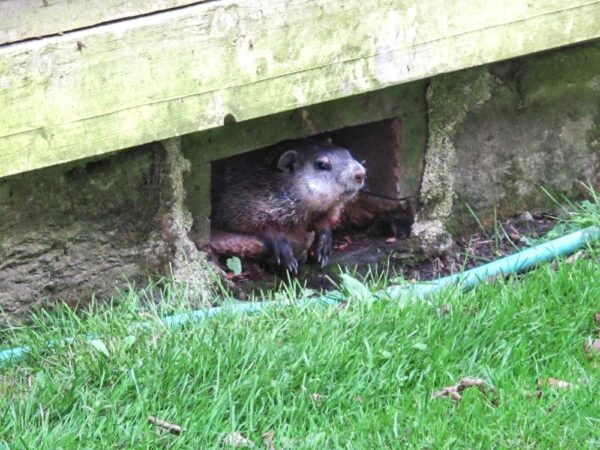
(280, 204)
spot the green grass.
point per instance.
(359, 377)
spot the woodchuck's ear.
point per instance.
(287, 161)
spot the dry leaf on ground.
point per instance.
(593, 347)
(341, 246)
(554, 382)
(454, 392)
(443, 310)
(268, 440)
(316, 397)
(550, 382)
(164, 425)
(574, 257)
(236, 440)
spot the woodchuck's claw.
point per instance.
(280, 254)
(322, 247)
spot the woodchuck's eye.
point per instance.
(323, 164)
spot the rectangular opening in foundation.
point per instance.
(384, 208)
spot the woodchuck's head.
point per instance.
(321, 175)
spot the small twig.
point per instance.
(170, 427)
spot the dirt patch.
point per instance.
(480, 248)
(365, 252)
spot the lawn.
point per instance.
(357, 377)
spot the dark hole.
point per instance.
(229, 119)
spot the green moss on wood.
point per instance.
(25, 19)
(103, 89)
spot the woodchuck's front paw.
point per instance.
(322, 247)
(279, 253)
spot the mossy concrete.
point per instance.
(450, 98)
(501, 133)
(72, 232)
(188, 266)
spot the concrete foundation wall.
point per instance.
(540, 128)
(499, 133)
(487, 137)
(68, 233)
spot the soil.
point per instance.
(483, 247)
(364, 252)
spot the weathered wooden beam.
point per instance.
(26, 19)
(98, 90)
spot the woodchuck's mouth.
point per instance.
(350, 192)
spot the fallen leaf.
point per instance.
(354, 287)
(234, 264)
(391, 240)
(453, 392)
(237, 277)
(167, 426)
(443, 310)
(342, 247)
(593, 347)
(315, 397)
(236, 440)
(100, 346)
(536, 394)
(574, 257)
(554, 382)
(559, 383)
(268, 440)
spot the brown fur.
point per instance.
(256, 196)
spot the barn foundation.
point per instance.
(486, 138)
